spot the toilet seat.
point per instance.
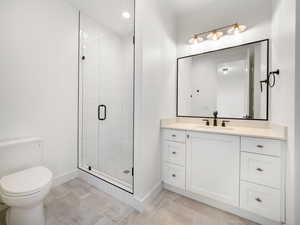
(26, 182)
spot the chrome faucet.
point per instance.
(215, 113)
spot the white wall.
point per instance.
(259, 26)
(155, 89)
(297, 113)
(283, 94)
(38, 81)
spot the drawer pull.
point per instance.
(259, 146)
(174, 153)
(174, 135)
(260, 169)
(258, 200)
(173, 175)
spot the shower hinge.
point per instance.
(133, 39)
(90, 168)
(132, 171)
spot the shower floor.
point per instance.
(119, 176)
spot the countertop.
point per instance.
(256, 129)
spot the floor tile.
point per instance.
(78, 203)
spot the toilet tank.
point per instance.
(19, 154)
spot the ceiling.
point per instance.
(108, 13)
(184, 6)
(180, 7)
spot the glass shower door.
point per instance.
(106, 80)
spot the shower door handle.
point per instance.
(99, 112)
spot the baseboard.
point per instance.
(115, 192)
(65, 178)
(151, 195)
(222, 206)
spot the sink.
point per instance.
(214, 128)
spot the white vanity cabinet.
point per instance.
(174, 158)
(213, 166)
(245, 173)
(262, 177)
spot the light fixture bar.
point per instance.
(217, 33)
(214, 30)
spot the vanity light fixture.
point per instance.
(216, 34)
(195, 39)
(236, 29)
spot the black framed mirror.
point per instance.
(231, 81)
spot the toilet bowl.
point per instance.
(24, 192)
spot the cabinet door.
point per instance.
(213, 166)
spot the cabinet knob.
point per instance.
(174, 153)
(173, 175)
(260, 146)
(260, 169)
(258, 200)
(174, 135)
(188, 136)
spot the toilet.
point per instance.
(24, 192)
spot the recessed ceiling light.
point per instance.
(126, 15)
(225, 70)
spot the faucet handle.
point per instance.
(215, 113)
(207, 122)
(224, 122)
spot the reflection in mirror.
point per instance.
(228, 81)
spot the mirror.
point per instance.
(229, 81)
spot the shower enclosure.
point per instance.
(106, 93)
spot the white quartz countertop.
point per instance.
(270, 131)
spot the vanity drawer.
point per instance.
(261, 146)
(174, 135)
(174, 175)
(174, 152)
(261, 169)
(260, 200)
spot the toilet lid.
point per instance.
(26, 182)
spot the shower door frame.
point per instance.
(97, 174)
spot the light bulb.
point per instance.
(126, 15)
(195, 39)
(236, 29)
(215, 35)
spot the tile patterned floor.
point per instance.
(78, 203)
